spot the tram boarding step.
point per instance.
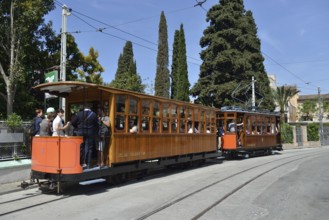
(89, 182)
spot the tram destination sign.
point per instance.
(51, 77)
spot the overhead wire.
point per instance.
(126, 32)
(115, 27)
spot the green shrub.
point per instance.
(287, 134)
(313, 132)
(14, 122)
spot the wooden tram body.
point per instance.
(248, 133)
(162, 139)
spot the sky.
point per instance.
(294, 35)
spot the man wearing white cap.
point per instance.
(50, 109)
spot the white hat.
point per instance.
(50, 109)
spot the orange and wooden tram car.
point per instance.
(247, 133)
(169, 133)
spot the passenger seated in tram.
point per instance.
(133, 127)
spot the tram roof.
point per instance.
(63, 88)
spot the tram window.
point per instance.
(145, 124)
(156, 109)
(119, 123)
(145, 107)
(208, 125)
(133, 106)
(202, 127)
(196, 114)
(196, 127)
(155, 125)
(174, 125)
(247, 127)
(182, 126)
(165, 110)
(173, 111)
(133, 124)
(273, 128)
(189, 113)
(120, 103)
(202, 113)
(182, 112)
(165, 125)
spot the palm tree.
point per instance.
(282, 96)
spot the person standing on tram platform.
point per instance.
(103, 135)
(86, 122)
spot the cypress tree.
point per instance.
(126, 76)
(183, 84)
(162, 81)
(230, 58)
(174, 65)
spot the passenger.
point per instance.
(86, 123)
(37, 121)
(46, 125)
(182, 129)
(208, 131)
(190, 130)
(220, 134)
(71, 131)
(103, 133)
(133, 127)
(50, 109)
(58, 127)
(231, 126)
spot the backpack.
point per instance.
(32, 129)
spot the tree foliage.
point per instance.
(174, 66)
(162, 81)
(90, 70)
(22, 27)
(308, 109)
(313, 132)
(179, 74)
(282, 96)
(231, 57)
(126, 76)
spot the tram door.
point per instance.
(220, 123)
(227, 121)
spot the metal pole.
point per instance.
(320, 116)
(253, 99)
(65, 13)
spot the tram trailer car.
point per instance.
(248, 133)
(164, 136)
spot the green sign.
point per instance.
(51, 76)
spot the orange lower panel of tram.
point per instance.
(56, 154)
(229, 142)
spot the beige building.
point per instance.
(314, 98)
(291, 110)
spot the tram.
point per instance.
(168, 133)
(246, 133)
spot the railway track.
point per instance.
(269, 166)
(29, 199)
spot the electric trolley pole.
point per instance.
(65, 13)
